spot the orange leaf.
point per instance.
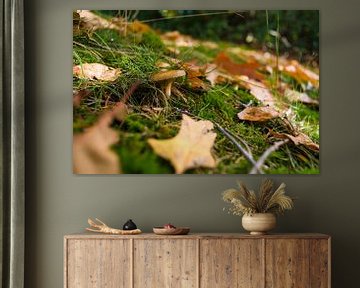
(193, 73)
(258, 114)
(248, 69)
(301, 74)
(190, 148)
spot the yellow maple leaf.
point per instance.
(190, 148)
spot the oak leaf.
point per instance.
(96, 71)
(190, 148)
(258, 114)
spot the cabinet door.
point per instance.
(165, 263)
(231, 263)
(98, 263)
(320, 263)
(287, 263)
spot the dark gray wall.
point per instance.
(59, 202)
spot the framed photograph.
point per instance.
(196, 91)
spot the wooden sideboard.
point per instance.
(197, 260)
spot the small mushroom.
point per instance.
(167, 78)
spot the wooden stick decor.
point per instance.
(100, 227)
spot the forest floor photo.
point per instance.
(196, 92)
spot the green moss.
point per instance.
(82, 122)
(138, 158)
(109, 38)
(153, 41)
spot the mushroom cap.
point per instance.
(166, 75)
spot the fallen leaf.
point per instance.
(215, 77)
(209, 44)
(258, 114)
(193, 72)
(92, 152)
(295, 96)
(91, 21)
(190, 148)
(264, 58)
(248, 69)
(96, 71)
(298, 139)
(177, 39)
(258, 90)
(138, 27)
(300, 73)
(290, 67)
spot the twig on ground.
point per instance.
(260, 162)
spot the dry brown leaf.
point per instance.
(298, 139)
(190, 148)
(300, 73)
(291, 67)
(138, 27)
(258, 114)
(91, 21)
(214, 76)
(92, 152)
(248, 69)
(295, 96)
(177, 39)
(193, 72)
(258, 90)
(263, 58)
(96, 71)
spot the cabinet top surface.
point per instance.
(86, 235)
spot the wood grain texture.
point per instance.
(287, 263)
(231, 263)
(197, 260)
(88, 235)
(319, 263)
(165, 263)
(98, 264)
